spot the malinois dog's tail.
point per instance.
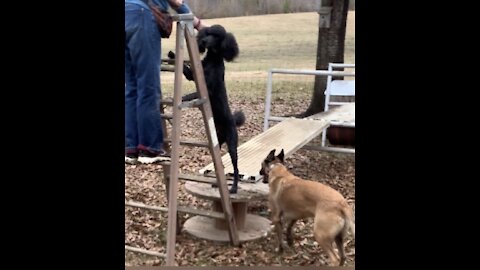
(349, 220)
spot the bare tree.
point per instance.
(330, 48)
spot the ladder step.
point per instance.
(172, 61)
(144, 206)
(199, 212)
(186, 104)
(166, 116)
(144, 251)
(167, 68)
(168, 61)
(167, 101)
(192, 103)
(189, 143)
(161, 162)
(182, 209)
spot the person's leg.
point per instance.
(133, 15)
(131, 130)
(145, 49)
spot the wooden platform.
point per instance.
(202, 227)
(250, 227)
(290, 134)
(246, 191)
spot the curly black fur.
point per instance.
(220, 46)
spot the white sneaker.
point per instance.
(131, 160)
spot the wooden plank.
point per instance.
(166, 116)
(172, 61)
(144, 251)
(189, 143)
(343, 113)
(144, 206)
(289, 135)
(167, 68)
(192, 103)
(182, 209)
(167, 101)
(199, 212)
(197, 178)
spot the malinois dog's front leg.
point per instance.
(277, 221)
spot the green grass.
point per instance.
(254, 88)
(268, 41)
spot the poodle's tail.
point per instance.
(239, 117)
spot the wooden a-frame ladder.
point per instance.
(185, 32)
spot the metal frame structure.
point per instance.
(338, 88)
(329, 73)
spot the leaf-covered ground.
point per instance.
(144, 183)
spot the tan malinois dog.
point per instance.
(293, 198)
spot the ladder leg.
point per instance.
(166, 180)
(166, 167)
(211, 134)
(173, 181)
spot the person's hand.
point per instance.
(199, 24)
(175, 3)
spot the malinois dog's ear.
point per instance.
(265, 163)
(271, 156)
(281, 156)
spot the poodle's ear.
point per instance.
(229, 47)
(200, 35)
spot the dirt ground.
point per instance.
(143, 183)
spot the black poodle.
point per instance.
(219, 46)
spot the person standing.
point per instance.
(143, 129)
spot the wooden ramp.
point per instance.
(290, 134)
(340, 114)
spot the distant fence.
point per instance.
(233, 8)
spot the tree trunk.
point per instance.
(330, 49)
